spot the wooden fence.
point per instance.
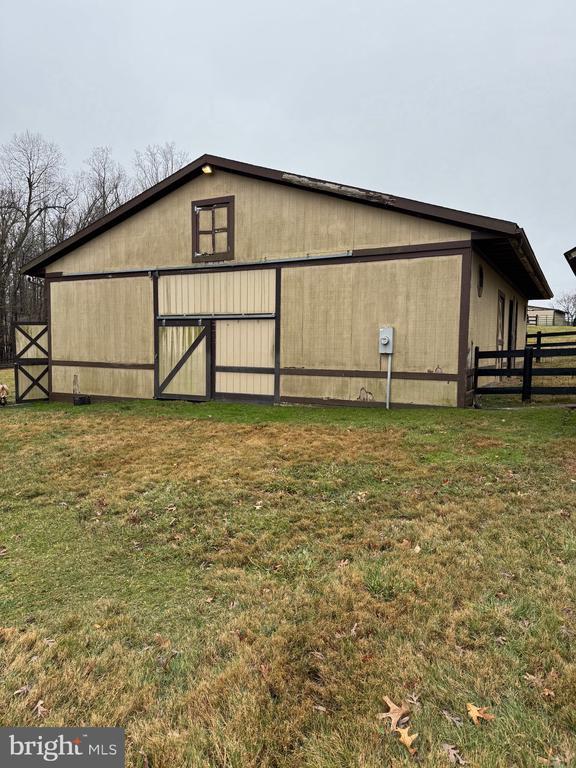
(520, 364)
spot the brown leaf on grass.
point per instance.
(395, 713)
(161, 642)
(22, 691)
(534, 681)
(548, 694)
(406, 738)
(478, 713)
(3, 551)
(453, 754)
(454, 719)
(40, 709)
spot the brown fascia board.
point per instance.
(193, 169)
(571, 258)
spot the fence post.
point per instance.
(476, 354)
(538, 345)
(527, 375)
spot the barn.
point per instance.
(229, 281)
(539, 315)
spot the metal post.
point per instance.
(527, 375)
(388, 381)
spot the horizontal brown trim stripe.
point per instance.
(352, 403)
(341, 373)
(243, 397)
(241, 369)
(66, 397)
(94, 364)
(388, 253)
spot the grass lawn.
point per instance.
(242, 586)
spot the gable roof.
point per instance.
(548, 309)
(481, 224)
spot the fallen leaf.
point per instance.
(478, 713)
(413, 699)
(320, 708)
(161, 642)
(417, 549)
(548, 694)
(343, 563)
(3, 551)
(40, 709)
(406, 738)
(534, 681)
(395, 713)
(453, 754)
(454, 719)
(22, 691)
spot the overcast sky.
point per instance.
(458, 102)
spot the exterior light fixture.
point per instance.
(207, 169)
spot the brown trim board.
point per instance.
(385, 253)
(96, 364)
(156, 336)
(277, 333)
(360, 374)
(464, 326)
(288, 400)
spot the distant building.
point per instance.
(545, 315)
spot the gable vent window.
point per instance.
(213, 229)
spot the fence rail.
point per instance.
(529, 355)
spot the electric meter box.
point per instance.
(386, 341)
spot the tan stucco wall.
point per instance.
(105, 321)
(104, 382)
(357, 389)
(271, 221)
(484, 310)
(331, 314)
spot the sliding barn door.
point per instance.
(244, 358)
(184, 361)
(31, 361)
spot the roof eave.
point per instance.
(570, 257)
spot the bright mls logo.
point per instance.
(79, 747)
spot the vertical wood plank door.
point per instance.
(244, 365)
(184, 362)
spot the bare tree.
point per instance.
(102, 187)
(567, 303)
(157, 162)
(33, 188)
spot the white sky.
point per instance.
(461, 103)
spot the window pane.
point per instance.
(205, 244)
(221, 215)
(221, 242)
(204, 220)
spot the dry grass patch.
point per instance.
(242, 587)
